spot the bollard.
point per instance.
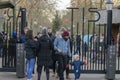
(20, 63)
(111, 63)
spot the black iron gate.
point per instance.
(10, 36)
(91, 44)
(7, 59)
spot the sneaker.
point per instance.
(29, 79)
(53, 75)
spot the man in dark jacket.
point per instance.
(53, 55)
(44, 56)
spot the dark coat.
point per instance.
(45, 48)
(12, 47)
(30, 47)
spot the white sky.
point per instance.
(62, 4)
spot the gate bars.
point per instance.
(93, 45)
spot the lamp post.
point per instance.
(109, 21)
(72, 10)
(72, 16)
(110, 57)
(23, 20)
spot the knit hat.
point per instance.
(14, 33)
(65, 33)
(44, 31)
(75, 56)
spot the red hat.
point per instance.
(65, 33)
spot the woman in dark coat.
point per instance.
(44, 55)
(30, 47)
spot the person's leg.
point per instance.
(47, 72)
(30, 67)
(79, 50)
(77, 75)
(0, 52)
(34, 67)
(67, 73)
(54, 67)
(119, 50)
(27, 67)
(67, 68)
(39, 70)
(60, 67)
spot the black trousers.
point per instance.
(54, 66)
(67, 68)
(39, 70)
(62, 61)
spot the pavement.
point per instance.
(12, 76)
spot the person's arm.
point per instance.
(69, 49)
(51, 45)
(72, 63)
(55, 44)
(84, 63)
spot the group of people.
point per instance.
(49, 49)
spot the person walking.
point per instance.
(77, 66)
(52, 37)
(30, 47)
(44, 55)
(62, 49)
(78, 44)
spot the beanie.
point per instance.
(14, 33)
(44, 31)
(65, 33)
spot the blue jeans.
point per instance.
(30, 67)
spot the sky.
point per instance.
(62, 4)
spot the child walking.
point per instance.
(77, 64)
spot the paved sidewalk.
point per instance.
(12, 76)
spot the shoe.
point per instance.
(29, 79)
(57, 75)
(53, 75)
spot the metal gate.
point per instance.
(7, 59)
(91, 44)
(8, 44)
